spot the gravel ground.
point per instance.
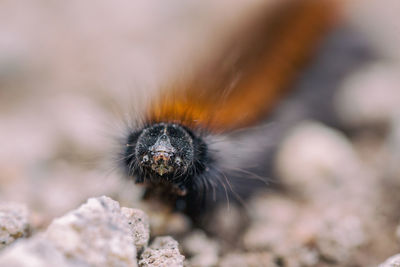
(67, 70)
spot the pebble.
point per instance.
(36, 252)
(163, 251)
(393, 261)
(140, 227)
(339, 236)
(369, 97)
(315, 158)
(202, 249)
(14, 223)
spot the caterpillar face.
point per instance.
(165, 153)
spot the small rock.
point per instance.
(163, 251)
(98, 233)
(273, 218)
(305, 257)
(339, 237)
(269, 206)
(35, 252)
(315, 158)
(203, 250)
(369, 97)
(263, 237)
(140, 227)
(393, 261)
(14, 222)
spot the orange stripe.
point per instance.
(286, 43)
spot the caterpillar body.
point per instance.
(176, 152)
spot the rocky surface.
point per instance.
(139, 226)
(163, 251)
(98, 233)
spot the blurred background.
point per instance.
(71, 70)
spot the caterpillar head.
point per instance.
(165, 153)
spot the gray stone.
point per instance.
(369, 97)
(35, 252)
(98, 233)
(320, 164)
(339, 236)
(14, 223)
(203, 250)
(163, 251)
(393, 261)
(140, 228)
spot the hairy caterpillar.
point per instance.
(175, 153)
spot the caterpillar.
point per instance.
(177, 152)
